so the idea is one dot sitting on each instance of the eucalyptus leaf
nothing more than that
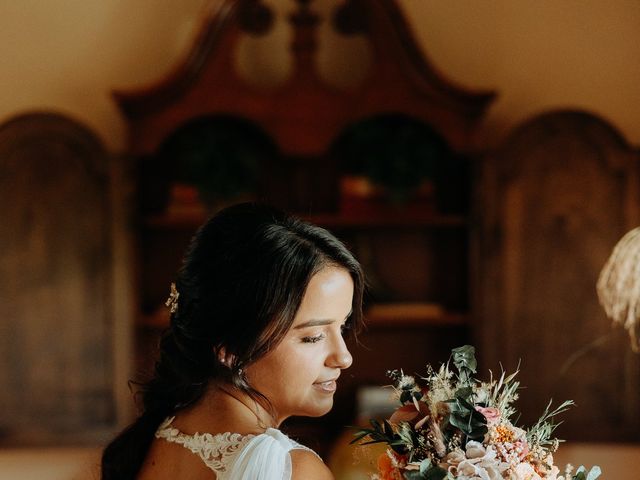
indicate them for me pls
(412, 475)
(464, 392)
(470, 407)
(478, 433)
(594, 473)
(424, 466)
(435, 473)
(459, 422)
(464, 358)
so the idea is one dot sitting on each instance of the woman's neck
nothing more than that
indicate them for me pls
(224, 409)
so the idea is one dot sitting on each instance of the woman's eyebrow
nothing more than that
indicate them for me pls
(314, 323)
(318, 322)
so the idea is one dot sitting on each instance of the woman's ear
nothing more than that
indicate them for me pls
(225, 358)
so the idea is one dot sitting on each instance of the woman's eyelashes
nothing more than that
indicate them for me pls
(344, 330)
(313, 339)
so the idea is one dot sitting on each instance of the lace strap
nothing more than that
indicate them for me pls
(214, 450)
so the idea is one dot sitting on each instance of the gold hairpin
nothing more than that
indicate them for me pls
(172, 301)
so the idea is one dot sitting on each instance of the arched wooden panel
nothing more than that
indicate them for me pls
(554, 201)
(55, 281)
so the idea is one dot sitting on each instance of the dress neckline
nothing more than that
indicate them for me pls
(167, 424)
(219, 451)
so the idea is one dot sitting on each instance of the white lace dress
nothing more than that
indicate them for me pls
(238, 457)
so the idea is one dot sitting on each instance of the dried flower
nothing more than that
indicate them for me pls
(458, 428)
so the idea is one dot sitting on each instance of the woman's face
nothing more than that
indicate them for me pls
(299, 375)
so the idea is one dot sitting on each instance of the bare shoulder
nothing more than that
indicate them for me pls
(306, 465)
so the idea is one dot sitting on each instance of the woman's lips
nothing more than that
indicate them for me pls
(326, 387)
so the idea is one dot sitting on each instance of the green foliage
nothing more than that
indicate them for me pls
(394, 151)
(581, 473)
(463, 414)
(541, 432)
(427, 471)
(464, 359)
(219, 155)
(451, 398)
(383, 433)
(466, 418)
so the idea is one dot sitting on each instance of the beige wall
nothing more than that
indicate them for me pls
(68, 55)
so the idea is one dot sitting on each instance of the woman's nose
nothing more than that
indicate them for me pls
(340, 357)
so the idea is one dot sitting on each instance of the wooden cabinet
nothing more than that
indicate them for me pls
(64, 315)
(293, 142)
(555, 199)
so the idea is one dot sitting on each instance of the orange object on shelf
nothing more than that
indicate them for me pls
(360, 196)
(185, 200)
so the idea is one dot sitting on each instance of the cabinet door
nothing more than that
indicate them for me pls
(554, 200)
(56, 282)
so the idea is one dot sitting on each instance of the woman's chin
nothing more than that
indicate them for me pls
(319, 410)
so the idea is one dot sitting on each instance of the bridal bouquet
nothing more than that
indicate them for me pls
(451, 426)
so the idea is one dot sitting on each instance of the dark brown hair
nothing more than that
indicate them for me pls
(241, 283)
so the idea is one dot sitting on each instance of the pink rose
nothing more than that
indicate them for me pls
(491, 414)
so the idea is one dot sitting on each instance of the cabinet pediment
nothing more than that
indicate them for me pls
(304, 113)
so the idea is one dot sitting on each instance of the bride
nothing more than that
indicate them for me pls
(258, 314)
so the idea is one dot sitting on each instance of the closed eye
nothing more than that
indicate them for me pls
(315, 339)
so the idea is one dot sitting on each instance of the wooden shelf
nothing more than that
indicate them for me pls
(391, 315)
(329, 220)
(412, 315)
(385, 220)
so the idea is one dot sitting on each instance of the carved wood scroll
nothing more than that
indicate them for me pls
(304, 115)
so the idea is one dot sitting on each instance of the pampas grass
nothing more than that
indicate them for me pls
(619, 286)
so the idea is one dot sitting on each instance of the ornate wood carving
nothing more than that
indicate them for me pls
(555, 198)
(255, 17)
(304, 115)
(348, 18)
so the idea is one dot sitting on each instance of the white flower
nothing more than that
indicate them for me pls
(406, 381)
(477, 450)
(525, 471)
(477, 463)
(518, 433)
(484, 471)
(451, 461)
(482, 394)
(553, 474)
